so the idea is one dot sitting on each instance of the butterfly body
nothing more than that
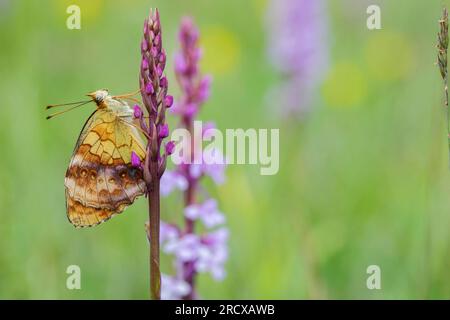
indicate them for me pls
(100, 181)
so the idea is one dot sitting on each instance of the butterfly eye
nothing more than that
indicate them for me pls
(93, 175)
(83, 173)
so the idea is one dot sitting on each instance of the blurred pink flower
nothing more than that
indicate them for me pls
(213, 254)
(172, 180)
(298, 49)
(207, 212)
(193, 252)
(214, 162)
(207, 253)
(173, 288)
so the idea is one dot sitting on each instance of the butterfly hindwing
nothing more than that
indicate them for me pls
(100, 181)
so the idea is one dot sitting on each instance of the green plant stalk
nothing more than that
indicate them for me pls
(442, 63)
(154, 219)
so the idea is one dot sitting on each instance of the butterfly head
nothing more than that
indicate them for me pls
(99, 96)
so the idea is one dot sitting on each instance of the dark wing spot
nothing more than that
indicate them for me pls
(133, 173)
(103, 193)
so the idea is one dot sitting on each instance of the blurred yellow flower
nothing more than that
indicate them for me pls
(90, 9)
(260, 7)
(389, 55)
(345, 85)
(221, 50)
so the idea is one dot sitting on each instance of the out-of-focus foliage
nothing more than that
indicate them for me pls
(363, 180)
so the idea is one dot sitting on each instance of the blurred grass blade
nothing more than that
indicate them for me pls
(442, 63)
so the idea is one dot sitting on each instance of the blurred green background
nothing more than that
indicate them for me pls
(363, 180)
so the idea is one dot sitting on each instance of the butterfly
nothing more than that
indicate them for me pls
(100, 181)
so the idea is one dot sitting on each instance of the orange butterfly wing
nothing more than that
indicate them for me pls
(100, 181)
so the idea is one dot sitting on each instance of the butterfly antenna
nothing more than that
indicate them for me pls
(132, 99)
(64, 104)
(127, 95)
(61, 112)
